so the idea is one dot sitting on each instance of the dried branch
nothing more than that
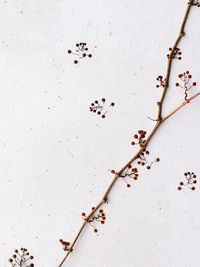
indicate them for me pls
(159, 121)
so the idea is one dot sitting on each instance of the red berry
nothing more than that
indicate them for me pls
(177, 84)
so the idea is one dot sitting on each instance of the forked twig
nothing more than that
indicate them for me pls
(159, 121)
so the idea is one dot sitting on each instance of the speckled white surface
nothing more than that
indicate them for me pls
(55, 154)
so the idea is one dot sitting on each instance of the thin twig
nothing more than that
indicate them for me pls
(159, 122)
(181, 106)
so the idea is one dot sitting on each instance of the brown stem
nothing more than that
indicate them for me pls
(181, 106)
(159, 122)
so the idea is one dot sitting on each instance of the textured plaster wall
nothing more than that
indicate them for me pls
(55, 155)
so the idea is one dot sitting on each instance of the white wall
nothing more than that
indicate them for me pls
(55, 154)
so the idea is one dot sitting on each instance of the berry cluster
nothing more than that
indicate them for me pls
(66, 245)
(21, 258)
(139, 138)
(161, 80)
(98, 216)
(100, 107)
(80, 52)
(130, 172)
(195, 3)
(174, 54)
(143, 161)
(186, 82)
(190, 181)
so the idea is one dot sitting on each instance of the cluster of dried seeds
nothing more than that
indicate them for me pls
(128, 173)
(139, 138)
(190, 181)
(186, 82)
(143, 160)
(175, 54)
(66, 245)
(81, 52)
(97, 216)
(195, 3)
(21, 258)
(161, 81)
(100, 107)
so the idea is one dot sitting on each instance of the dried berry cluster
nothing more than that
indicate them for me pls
(161, 80)
(186, 83)
(175, 54)
(81, 52)
(98, 216)
(66, 245)
(21, 258)
(195, 3)
(190, 181)
(139, 138)
(100, 107)
(129, 173)
(143, 161)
